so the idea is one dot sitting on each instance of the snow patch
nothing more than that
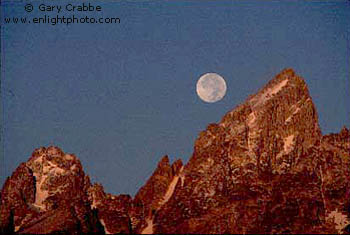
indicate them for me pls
(40, 194)
(104, 225)
(253, 132)
(251, 119)
(290, 117)
(69, 157)
(296, 111)
(171, 188)
(39, 159)
(277, 87)
(268, 93)
(339, 219)
(17, 228)
(94, 204)
(73, 167)
(49, 169)
(167, 196)
(208, 143)
(149, 228)
(182, 177)
(288, 144)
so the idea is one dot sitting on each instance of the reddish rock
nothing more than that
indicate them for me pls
(112, 211)
(156, 192)
(264, 168)
(47, 194)
(153, 191)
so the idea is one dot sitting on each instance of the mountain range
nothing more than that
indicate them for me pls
(264, 168)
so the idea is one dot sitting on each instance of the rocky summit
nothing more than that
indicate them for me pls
(264, 168)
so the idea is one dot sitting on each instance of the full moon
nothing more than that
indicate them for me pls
(211, 87)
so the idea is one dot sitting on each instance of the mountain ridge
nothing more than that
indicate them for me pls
(265, 167)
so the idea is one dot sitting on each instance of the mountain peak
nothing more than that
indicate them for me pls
(264, 168)
(280, 82)
(282, 111)
(251, 160)
(52, 169)
(279, 118)
(51, 192)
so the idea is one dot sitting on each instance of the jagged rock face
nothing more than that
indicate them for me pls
(152, 193)
(17, 195)
(334, 155)
(57, 177)
(340, 140)
(271, 124)
(122, 214)
(47, 194)
(157, 191)
(112, 211)
(265, 168)
(258, 170)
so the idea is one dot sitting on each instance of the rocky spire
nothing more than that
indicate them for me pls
(264, 168)
(47, 194)
(251, 163)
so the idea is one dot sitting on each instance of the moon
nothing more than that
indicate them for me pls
(211, 87)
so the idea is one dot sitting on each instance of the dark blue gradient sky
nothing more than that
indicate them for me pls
(122, 96)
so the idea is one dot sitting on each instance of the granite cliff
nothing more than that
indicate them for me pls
(264, 168)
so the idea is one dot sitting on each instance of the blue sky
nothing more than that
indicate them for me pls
(120, 96)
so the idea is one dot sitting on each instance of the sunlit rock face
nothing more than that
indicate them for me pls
(264, 168)
(47, 194)
(157, 192)
(57, 177)
(112, 211)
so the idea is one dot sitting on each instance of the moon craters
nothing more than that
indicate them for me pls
(211, 87)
